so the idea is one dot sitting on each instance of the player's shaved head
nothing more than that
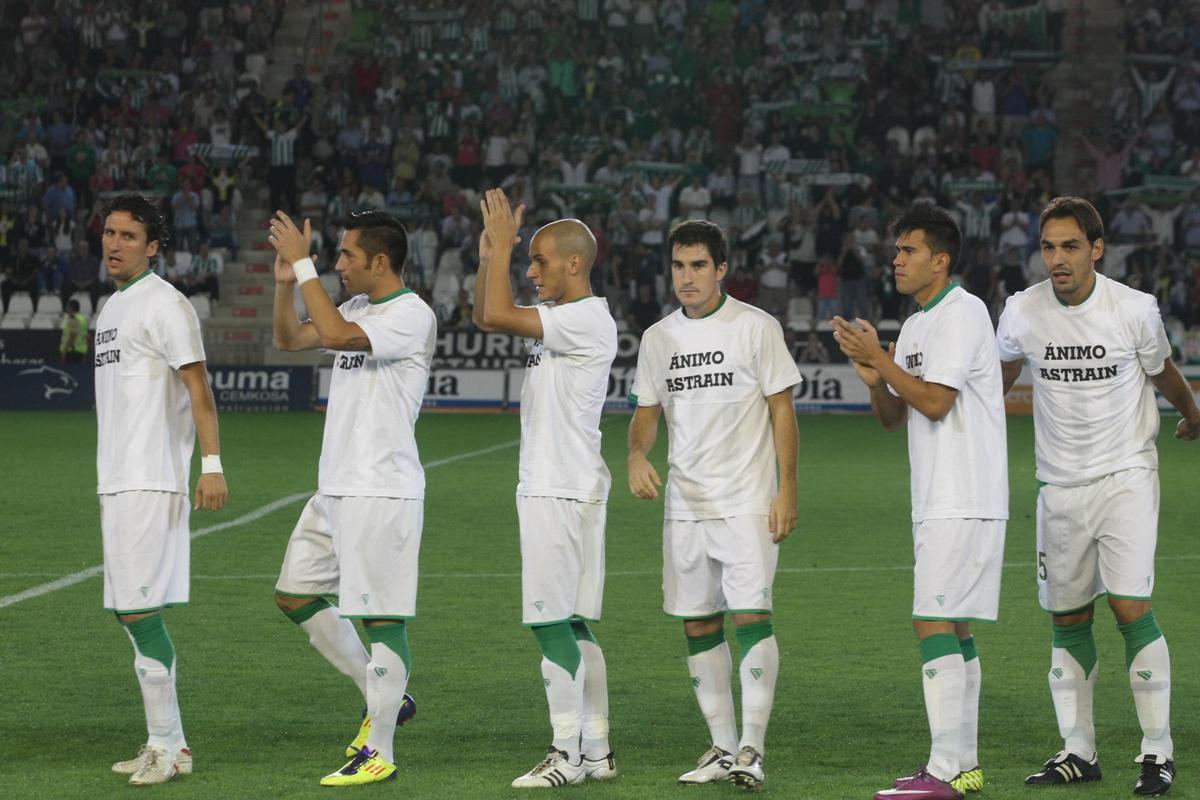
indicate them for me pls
(571, 238)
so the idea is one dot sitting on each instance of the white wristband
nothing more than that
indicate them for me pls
(305, 270)
(211, 463)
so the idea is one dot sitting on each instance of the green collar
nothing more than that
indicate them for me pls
(577, 299)
(1065, 304)
(135, 280)
(391, 296)
(937, 298)
(724, 297)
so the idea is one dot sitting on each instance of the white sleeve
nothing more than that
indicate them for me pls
(775, 367)
(1152, 345)
(645, 380)
(570, 329)
(950, 351)
(1006, 340)
(397, 334)
(177, 329)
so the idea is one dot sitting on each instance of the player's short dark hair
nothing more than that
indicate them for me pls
(379, 232)
(941, 231)
(72, 305)
(700, 231)
(1070, 207)
(145, 211)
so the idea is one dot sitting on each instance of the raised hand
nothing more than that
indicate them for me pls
(289, 241)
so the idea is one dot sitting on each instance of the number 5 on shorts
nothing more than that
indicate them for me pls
(1041, 565)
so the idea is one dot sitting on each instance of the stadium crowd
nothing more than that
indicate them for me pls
(799, 128)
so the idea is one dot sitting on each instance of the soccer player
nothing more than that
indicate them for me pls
(360, 534)
(152, 401)
(562, 493)
(942, 380)
(720, 371)
(1096, 348)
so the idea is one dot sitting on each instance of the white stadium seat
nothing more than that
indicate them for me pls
(50, 305)
(21, 303)
(43, 322)
(14, 322)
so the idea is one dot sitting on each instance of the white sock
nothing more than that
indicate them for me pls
(157, 683)
(1072, 693)
(758, 671)
(1150, 679)
(944, 681)
(595, 701)
(968, 754)
(336, 640)
(386, 678)
(712, 679)
(564, 695)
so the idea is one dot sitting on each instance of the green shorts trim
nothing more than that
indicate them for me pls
(1128, 596)
(571, 618)
(150, 610)
(302, 596)
(376, 616)
(688, 618)
(954, 619)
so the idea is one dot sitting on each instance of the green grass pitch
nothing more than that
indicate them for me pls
(267, 717)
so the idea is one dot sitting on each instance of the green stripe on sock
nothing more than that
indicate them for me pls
(558, 645)
(1139, 633)
(752, 633)
(1079, 641)
(307, 611)
(582, 632)
(151, 639)
(700, 644)
(393, 636)
(938, 645)
(967, 646)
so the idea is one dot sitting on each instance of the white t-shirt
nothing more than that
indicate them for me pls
(374, 398)
(566, 383)
(144, 334)
(959, 465)
(712, 376)
(1093, 405)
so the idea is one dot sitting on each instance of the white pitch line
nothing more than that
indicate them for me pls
(261, 511)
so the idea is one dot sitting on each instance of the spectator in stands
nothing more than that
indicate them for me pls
(222, 231)
(73, 346)
(83, 275)
(814, 350)
(828, 288)
(207, 266)
(21, 274)
(644, 311)
(743, 286)
(185, 205)
(52, 272)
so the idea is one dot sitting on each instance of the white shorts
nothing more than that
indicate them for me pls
(146, 550)
(562, 559)
(711, 566)
(363, 549)
(1097, 538)
(958, 566)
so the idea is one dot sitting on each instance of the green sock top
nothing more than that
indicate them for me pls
(967, 645)
(938, 645)
(307, 611)
(1080, 642)
(700, 644)
(752, 633)
(393, 635)
(1139, 633)
(151, 639)
(559, 645)
(582, 632)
